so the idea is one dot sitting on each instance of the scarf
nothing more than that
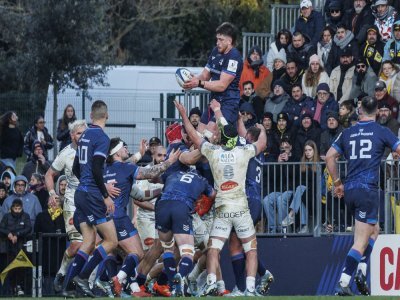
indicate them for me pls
(345, 41)
(55, 213)
(325, 49)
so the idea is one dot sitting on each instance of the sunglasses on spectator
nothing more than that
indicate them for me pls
(335, 11)
(361, 66)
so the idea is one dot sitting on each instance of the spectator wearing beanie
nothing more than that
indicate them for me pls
(248, 115)
(277, 99)
(325, 102)
(148, 154)
(333, 128)
(271, 152)
(335, 13)
(278, 48)
(313, 76)
(194, 116)
(309, 130)
(279, 67)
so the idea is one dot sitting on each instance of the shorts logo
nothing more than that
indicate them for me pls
(226, 186)
(91, 218)
(186, 227)
(123, 233)
(362, 214)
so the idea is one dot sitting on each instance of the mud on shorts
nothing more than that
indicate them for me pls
(147, 232)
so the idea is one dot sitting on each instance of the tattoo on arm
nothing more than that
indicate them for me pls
(154, 171)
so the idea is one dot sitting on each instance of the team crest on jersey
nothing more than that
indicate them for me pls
(226, 186)
(232, 65)
(227, 158)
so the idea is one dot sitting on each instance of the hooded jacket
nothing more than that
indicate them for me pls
(274, 104)
(277, 50)
(32, 136)
(248, 107)
(34, 165)
(392, 48)
(30, 202)
(385, 23)
(12, 177)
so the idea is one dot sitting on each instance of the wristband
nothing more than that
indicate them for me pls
(52, 193)
(137, 156)
(105, 195)
(337, 182)
(217, 109)
(201, 85)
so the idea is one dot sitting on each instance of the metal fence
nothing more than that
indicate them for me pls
(250, 39)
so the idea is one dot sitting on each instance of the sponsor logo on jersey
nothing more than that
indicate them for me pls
(227, 158)
(228, 172)
(232, 65)
(226, 186)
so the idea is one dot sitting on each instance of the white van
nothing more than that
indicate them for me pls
(133, 98)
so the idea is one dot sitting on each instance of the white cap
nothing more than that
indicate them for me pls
(305, 3)
(381, 2)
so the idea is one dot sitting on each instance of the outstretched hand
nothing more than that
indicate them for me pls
(174, 155)
(214, 104)
(180, 107)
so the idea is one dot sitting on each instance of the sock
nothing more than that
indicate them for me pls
(238, 265)
(163, 278)
(211, 278)
(221, 286)
(110, 264)
(364, 260)
(141, 279)
(250, 283)
(195, 273)
(101, 274)
(261, 270)
(134, 287)
(65, 263)
(185, 266)
(75, 267)
(128, 267)
(169, 265)
(98, 255)
(350, 265)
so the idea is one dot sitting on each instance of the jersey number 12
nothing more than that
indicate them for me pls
(365, 147)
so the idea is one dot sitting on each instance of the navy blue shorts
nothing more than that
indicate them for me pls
(90, 208)
(125, 228)
(255, 208)
(229, 109)
(363, 204)
(173, 215)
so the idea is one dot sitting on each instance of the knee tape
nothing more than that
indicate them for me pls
(215, 243)
(168, 245)
(186, 249)
(252, 245)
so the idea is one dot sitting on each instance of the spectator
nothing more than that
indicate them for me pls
(284, 128)
(332, 130)
(154, 142)
(272, 151)
(341, 79)
(300, 50)
(250, 97)
(37, 163)
(51, 220)
(61, 187)
(281, 188)
(248, 115)
(372, 49)
(296, 104)
(385, 16)
(7, 177)
(383, 97)
(278, 48)
(313, 76)
(279, 68)
(385, 119)
(392, 47)
(335, 13)
(30, 202)
(11, 139)
(343, 41)
(63, 135)
(325, 102)
(364, 79)
(3, 194)
(308, 130)
(248, 93)
(38, 188)
(359, 19)
(15, 227)
(310, 22)
(388, 74)
(346, 5)
(346, 110)
(194, 116)
(305, 197)
(276, 101)
(40, 133)
(292, 76)
(324, 48)
(254, 70)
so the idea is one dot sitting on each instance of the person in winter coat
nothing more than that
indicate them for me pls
(63, 135)
(385, 16)
(8, 177)
(329, 134)
(40, 133)
(279, 68)
(296, 104)
(309, 130)
(278, 48)
(335, 13)
(38, 188)
(364, 79)
(292, 76)
(300, 50)
(276, 101)
(372, 49)
(359, 18)
(310, 22)
(392, 48)
(37, 163)
(248, 115)
(11, 139)
(325, 103)
(313, 76)
(324, 47)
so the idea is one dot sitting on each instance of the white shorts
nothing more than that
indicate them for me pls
(200, 232)
(147, 232)
(230, 217)
(69, 204)
(73, 234)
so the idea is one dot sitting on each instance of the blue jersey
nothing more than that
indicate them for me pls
(185, 187)
(230, 63)
(124, 175)
(93, 142)
(253, 176)
(176, 166)
(363, 146)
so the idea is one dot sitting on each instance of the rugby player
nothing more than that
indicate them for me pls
(363, 146)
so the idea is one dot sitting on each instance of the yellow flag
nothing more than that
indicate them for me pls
(21, 260)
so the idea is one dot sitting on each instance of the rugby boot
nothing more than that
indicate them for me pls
(58, 282)
(141, 293)
(223, 293)
(117, 286)
(266, 280)
(343, 291)
(162, 290)
(208, 290)
(235, 293)
(254, 293)
(191, 286)
(83, 286)
(361, 282)
(104, 286)
(178, 286)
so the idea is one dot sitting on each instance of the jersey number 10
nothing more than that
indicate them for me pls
(364, 148)
(83, 154)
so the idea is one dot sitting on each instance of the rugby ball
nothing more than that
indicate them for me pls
(182, 75)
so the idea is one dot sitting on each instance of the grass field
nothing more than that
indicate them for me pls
(268, 297)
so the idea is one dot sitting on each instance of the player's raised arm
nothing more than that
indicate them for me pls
(196, 139)
(156, 170)
(261, 143)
